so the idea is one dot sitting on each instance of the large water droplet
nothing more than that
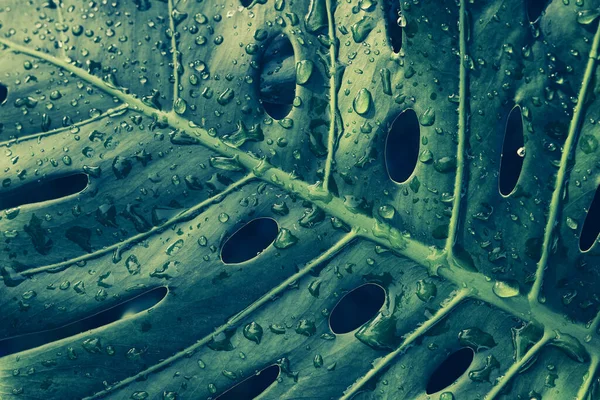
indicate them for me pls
(316, 18)
(304, 70)
(362, 102)
(506, 289)
(285, 238)
(362, 28)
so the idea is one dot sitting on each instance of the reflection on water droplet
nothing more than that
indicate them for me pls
(505, 289)
(304, 70)
(362, 102)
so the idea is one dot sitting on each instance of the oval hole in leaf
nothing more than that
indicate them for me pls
(245, 3)
(3, 93)
(450, 370)
(394, 30)
(356, 308)
(591, 225)
(252, 387)
(511, 161)
(124, 310)
(278, 77)
(49, 189)
(535, 8)
(402, 146)
(249, 241)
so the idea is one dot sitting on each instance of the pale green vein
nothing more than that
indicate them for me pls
(173, 50)
(408, 341)
(584, 390)
(514, 369)
(184, 215)
(109, 113)
(266, 298)
(563, 171)
(462, 130)
(332, 95)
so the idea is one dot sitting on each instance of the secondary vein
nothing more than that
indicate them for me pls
(462, 130)
(266, 298)
(409, 340)
(561, 176)
(332, 95)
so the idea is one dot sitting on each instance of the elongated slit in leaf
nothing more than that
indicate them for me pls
(252, 387)
(393, 24)
(278, 78)
(535, 9)
(452, 368)
(3, 93)
(402, 146)
(513, 153)
(591, 225)
(123, 310)
(356, 308)
(50, 189)
(249, 241)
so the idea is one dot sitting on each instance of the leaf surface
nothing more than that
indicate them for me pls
(176, 112)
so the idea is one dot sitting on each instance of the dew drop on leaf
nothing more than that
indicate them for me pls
(304, 70)
(363, 102)
(505, 289)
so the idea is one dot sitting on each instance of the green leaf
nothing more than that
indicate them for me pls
(164, 105)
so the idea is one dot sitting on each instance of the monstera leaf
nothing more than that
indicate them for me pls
(434, 161)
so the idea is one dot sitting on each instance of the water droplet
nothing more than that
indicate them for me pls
(586, 17)
(362, 102)
(285, 239)
(180, 106)
(304, 70)
(505, 289)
